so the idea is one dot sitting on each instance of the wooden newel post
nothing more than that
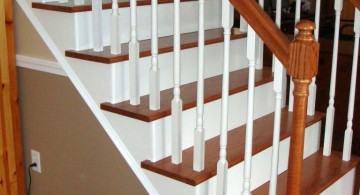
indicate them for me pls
(303, 66)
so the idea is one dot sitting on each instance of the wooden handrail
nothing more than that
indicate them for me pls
(272, 36)
(356, 3)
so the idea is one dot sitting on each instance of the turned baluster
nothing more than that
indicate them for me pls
(303, 66)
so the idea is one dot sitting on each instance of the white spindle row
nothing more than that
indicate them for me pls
(154, 96)
(115, 39)
(279, 77)
(134, 57)
(251, 55)
(222, 165)
(97, 25)
(176, 104)
(349, 130)
(330, 112)
(199, 137)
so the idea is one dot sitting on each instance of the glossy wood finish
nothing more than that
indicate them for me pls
(263, 25)
(70, 7)
(318, 174)
(262, 139)
(188, 40)
(12, 178)
(238, 83)
(303, 66)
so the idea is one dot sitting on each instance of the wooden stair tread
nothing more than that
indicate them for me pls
(188, 40)
(319, 172)
(262, 139)
(213, 85)
(70, 7)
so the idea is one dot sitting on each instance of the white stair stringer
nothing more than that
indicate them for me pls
(260, 169)
(108, 82)
(58, 54)
(152, 141)
(73, 31)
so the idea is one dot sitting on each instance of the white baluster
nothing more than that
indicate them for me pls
(78, 2)
(251, 55)
(97, 25)
(260, 56)
(330, 112)
(349, 130)
(313, 87)
(317, 19)
(222, 165)
(297, 19)
(297, 15)
(243, 24)
(279, 77)
(154, 96)
(115, 39)
(199, 137)
(176, 104)
(134, 57)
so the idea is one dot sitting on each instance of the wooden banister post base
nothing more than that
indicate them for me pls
(303, 66)
(301, 93)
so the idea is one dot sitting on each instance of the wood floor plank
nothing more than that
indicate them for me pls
(188, 40)
(319, 172)
(262, 139)
(238, 83)
(70, 7)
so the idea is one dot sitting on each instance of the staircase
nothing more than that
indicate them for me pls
(190, 103)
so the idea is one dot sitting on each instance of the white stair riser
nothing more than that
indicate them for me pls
(74, 30)
(99, 78)
(152, 140)
(212, 116)
(260, 170)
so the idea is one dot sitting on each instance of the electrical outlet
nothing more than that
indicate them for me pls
(35, 158)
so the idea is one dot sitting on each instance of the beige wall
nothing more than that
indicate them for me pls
(28, 41)
(76, 154)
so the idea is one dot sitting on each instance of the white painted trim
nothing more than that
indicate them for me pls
(38, 64)
(87, 98)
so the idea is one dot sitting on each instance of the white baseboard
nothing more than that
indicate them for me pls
(40, 65)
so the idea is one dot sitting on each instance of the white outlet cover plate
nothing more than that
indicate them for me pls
(35, 158)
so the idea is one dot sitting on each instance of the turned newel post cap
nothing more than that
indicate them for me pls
(306, 29)
(304, 52)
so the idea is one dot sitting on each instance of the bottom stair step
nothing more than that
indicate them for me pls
(319, 172)
(262, 139)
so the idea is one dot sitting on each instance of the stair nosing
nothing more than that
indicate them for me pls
(71, 8)
(199, 177)
(143, 113)
(107, 58)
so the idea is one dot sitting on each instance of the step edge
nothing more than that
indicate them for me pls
(107, 106)
(147, 164)
(81, 55)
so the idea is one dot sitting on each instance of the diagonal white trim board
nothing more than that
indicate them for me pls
(87, 98)
(38, 64)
